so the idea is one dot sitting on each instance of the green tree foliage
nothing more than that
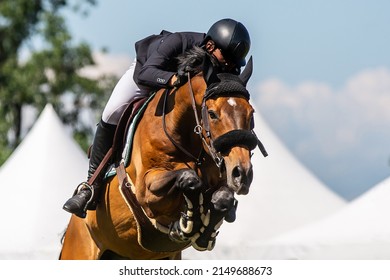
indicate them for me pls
(49, 74)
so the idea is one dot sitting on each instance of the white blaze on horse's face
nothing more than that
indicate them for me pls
(232, 102)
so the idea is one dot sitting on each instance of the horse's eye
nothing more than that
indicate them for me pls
(213, 115)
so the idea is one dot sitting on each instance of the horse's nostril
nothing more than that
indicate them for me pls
(243, 175)
(237, 172)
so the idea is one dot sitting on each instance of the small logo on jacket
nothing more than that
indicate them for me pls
(161, 80)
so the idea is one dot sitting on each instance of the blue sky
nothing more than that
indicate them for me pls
(321, 72)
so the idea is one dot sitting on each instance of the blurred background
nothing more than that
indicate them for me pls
(321, 81)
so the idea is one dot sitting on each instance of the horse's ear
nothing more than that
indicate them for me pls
(209, 73)
(247, 73)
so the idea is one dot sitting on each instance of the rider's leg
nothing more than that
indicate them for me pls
(101, 144)
(123, 93)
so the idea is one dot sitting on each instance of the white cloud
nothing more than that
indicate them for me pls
(341, 115)
(107, 64)
(327, 126)
(370, 91)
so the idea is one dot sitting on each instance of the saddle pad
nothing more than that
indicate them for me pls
(129, 138)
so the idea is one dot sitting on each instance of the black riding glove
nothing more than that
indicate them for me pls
(182, 78)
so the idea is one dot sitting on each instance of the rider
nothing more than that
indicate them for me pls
(155, 67)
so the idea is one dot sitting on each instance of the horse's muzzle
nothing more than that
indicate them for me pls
(242, 179)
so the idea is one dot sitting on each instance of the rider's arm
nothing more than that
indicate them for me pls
(160, 67)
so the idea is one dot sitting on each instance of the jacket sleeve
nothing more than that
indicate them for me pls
(161, 63)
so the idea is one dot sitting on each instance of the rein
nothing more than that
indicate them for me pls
(177, 145)
(218, 159)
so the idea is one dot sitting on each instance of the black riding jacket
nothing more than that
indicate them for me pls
(156, 57)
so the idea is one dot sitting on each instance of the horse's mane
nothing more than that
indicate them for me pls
(192, 61)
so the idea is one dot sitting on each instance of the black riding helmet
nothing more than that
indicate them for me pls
(232, 38)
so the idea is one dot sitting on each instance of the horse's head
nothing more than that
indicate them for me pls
(228, 122)
(227, 117)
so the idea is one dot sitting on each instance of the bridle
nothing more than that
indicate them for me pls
(214, 146)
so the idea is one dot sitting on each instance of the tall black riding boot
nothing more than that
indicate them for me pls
(86, 194)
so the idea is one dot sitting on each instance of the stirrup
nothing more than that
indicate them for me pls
(83, 185)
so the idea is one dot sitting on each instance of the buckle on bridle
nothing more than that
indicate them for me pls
(219, 160)
(198, 129)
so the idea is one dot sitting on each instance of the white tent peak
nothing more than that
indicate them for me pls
(36, 180)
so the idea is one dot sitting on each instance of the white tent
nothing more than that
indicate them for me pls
(361, 230)
(284, 195)
(35, 182)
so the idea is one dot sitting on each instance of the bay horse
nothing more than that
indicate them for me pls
(191, 151)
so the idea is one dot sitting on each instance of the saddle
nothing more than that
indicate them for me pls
(113, 155)
(123, 126)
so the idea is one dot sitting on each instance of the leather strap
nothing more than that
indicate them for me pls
(177, 145)
(102, 165)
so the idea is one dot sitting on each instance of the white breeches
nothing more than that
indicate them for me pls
(124, 92)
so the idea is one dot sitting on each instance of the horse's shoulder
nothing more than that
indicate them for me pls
(198, 80)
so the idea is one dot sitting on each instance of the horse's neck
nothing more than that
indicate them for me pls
(181, 120)
(183, 112)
